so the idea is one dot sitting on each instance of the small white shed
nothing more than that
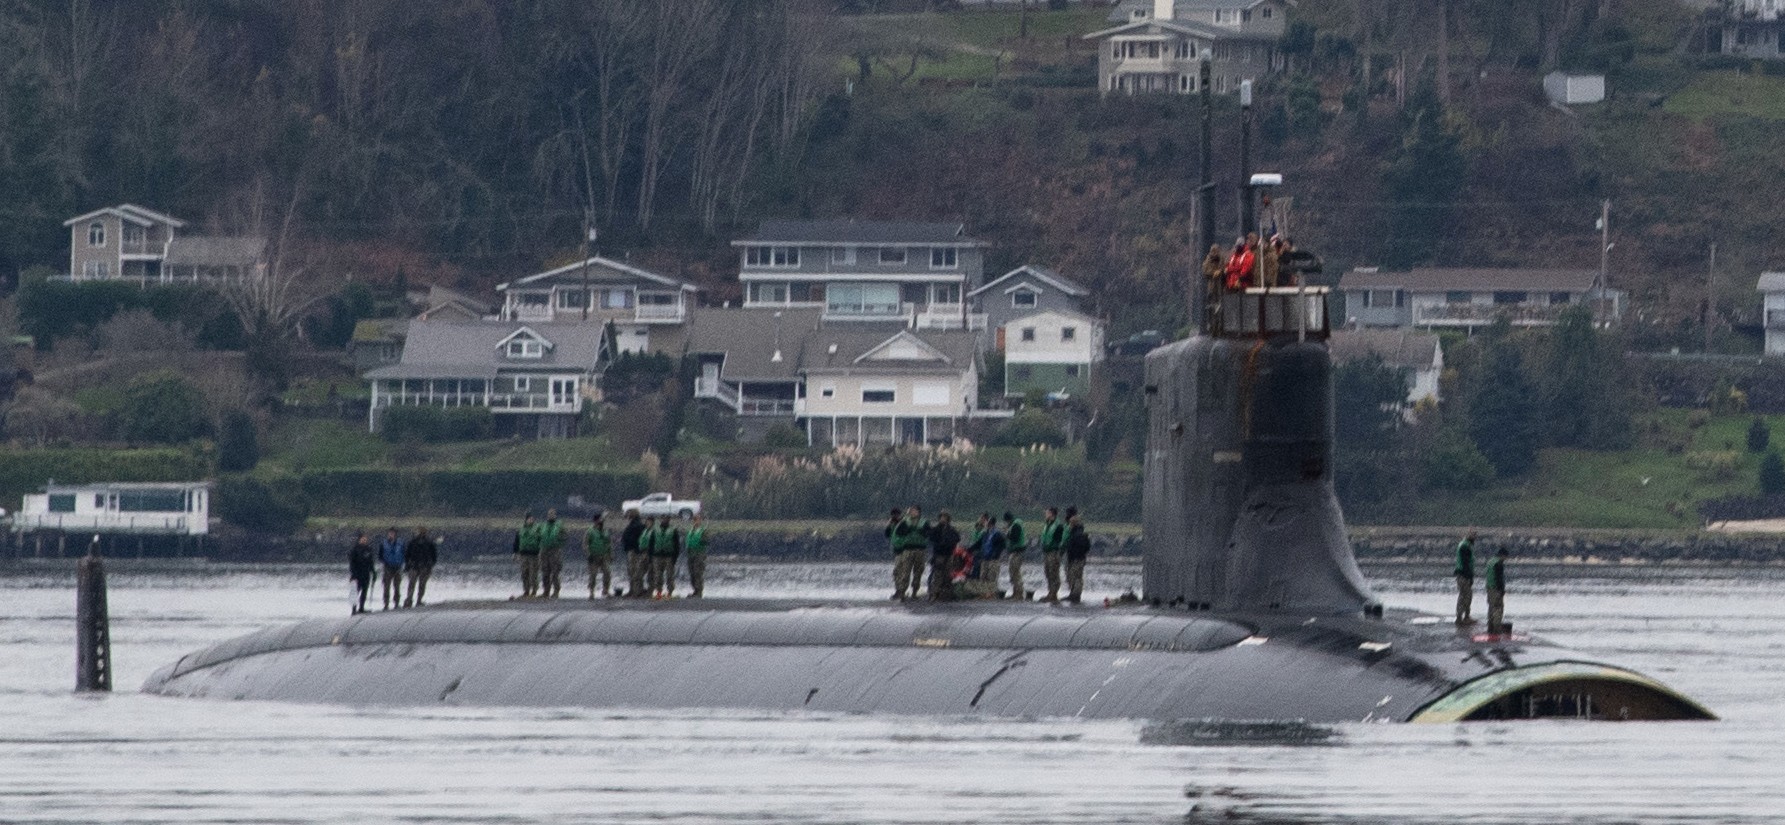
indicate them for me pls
(1568, 88)
(177, 508)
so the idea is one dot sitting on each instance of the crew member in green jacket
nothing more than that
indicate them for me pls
(551, 555)
(1015, 542)
(526, 551)
(1496, 593)
(600, 548)
(1053, 545)
(1465, 573)
(695, 545)
(910, 538)
(665, 545)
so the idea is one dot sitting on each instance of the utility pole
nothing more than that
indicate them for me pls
(1710, 296)
(1604, 255)
(588, 253)
(1246, 215)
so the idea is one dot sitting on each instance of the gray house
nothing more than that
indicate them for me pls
(915, 274)
(1753, 28)
(535, 377)
(1466, 299)
(639, 303)
(1022, 292)
(130, 242)
(1158, 46)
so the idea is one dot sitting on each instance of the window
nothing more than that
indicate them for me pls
(96, 233)
(1266, 13)
(1183, 51)
(524, 347)
(62, 503)
(1069, 333)
(1022, 372)
(1245, 15)
(877, 396)
(775, 293)
(1115, 49)
(843, 255)
(1138, 14)
(772, 256)
(1510, 297)
(96, 269)
(616, 299)
(1224, 15)
(862, 299)
(805, 293)
(1559, 298)
(1023, 298)
(827, 391)
(1183, 83)
(892, 254)
(1382, 298)
(944, 257)
(1072, 370)
(134, 238)
(945, 293)
(99, 501)
(523, 383)
(572, 299)
(151, 501)
(533, 300)
(1028, 333)
(1458, 297)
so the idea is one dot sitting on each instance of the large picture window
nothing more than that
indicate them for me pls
(881, 396)
(862, 299)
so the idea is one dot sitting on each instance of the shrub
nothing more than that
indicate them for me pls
(238, 446)
(161, 408)
(1772, 475)
(1453, 463)
(433, 425)
(782, 436)
(1714, 465)
(1758, 435)
(255, 505)
(1028, 428)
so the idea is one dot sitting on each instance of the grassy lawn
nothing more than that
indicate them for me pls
(977, 45)
(1714, 94)
(322, 445)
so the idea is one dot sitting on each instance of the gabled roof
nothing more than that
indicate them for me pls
(1772, 282)
(1403, 348)
(594, 267)
(904, 346)
(851, 232)
(1479, 279)
(748, 339)
(132, 213)
(215, 250)
(1125, 9)
(525, 332)
(1183, 27)
(1032, 272)
(470, 349)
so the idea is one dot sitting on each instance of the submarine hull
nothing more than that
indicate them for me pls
(995, 661)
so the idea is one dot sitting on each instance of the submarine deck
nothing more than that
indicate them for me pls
(977, 657)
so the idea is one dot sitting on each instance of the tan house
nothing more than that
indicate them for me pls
(598, 291)
(1159, 46)
(130, 242)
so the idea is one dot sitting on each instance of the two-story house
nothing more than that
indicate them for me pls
(1158, 46)
(1466, 299)
(1753, 28)
(1025, 291)
(915, 274)
(535, 377)
(598, 291)
(841, 382)
(1051, 352)
(1772, 309)
(133, 243)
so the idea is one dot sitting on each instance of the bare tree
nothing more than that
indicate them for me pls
(275, 295)
(680, 33)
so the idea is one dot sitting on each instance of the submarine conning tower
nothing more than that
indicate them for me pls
(1238, 503)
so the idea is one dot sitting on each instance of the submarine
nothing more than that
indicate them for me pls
(1252, 606)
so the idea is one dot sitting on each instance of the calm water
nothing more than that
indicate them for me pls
(1717, 634)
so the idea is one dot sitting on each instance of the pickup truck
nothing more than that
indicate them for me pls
(662, 504)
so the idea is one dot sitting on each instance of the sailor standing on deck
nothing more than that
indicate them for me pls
(360, 561)
(1078, 547)
(1496, 593)
(526, 553)
(695, 545)
(1053, 543)
(390, 554)
(551, 555)
(1465, 573)
(631, 541)
(600, 549)
(419, 557)
(665, 546)
(988, 547)
(1016, 541)
(910, 536)
(944, 538)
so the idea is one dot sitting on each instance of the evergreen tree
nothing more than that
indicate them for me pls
(238, 445)
(1772, 474)
(1584, 403)
(163, 408)
(1422, 181)
(1503, 409)
(1758, 435)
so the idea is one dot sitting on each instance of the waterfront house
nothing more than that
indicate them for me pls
(598, 291)
(1158, 46)
(1467, 299)
(535, 378)
(914, 274)
(1051, 352)
(133, 508)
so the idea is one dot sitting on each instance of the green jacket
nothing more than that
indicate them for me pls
(1016, 540)
(1496, 574)
(695, 543)
(598, 543)
(1053, 537)
(551, 536)
(663, 541)
(1465, 565)
(909, 535)
(527, 540)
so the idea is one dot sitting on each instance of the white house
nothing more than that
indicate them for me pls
(1772, 306)
(1052, 352)
(142, 508)
(1417, 354)
(1159, 46)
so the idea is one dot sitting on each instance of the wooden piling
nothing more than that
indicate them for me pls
(93, 640)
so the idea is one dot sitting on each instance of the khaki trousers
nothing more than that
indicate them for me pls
(697, 574)
(1075, 578)
(601, 566)
(529, 573)
(1465, 596)
(1496, 610)
(551, 571)
(1016, 575)
(1050, 564)
(663, 574)
(637, 568)
(988, 572)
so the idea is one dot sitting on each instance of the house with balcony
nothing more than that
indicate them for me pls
(129, 508)
(1468, 299)
(1022, 292)
(598, 291)
(840, 382)
(535, 378)
(1753, 28)
(1051, 352)
(913, 274)
(129, 242)
(1158, 46)
(1772, 308)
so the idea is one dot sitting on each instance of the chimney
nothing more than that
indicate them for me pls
(1164, 9)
